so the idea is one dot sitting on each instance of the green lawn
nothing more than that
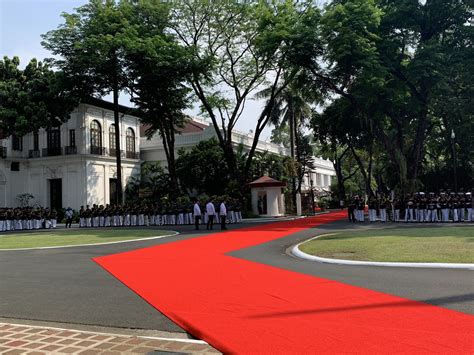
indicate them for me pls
(454, 244)
(73, 237)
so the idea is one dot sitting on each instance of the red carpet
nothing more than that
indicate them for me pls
(243, 307)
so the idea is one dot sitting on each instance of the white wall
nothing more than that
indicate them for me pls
(85, 177)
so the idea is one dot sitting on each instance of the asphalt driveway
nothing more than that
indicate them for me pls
(64, 285)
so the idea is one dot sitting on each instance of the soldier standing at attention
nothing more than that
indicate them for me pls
(88, 216)
(409, 217)
(372, 209)
(454, 208)
(396, 209)
(469, 202)
(82, 220)
(461, 209)
(438, 208)
(443, 202)
(54, 218)
(432, 215)
(101, 213)
(2, 220)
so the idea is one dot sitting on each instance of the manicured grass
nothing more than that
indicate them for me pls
(73, 237)
(453, 244)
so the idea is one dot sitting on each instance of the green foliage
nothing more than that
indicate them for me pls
(33, 98)
(273, 165)
(155, 179)
(245, 45)
(24, 200)
(90, 46)
(395, 71)
(203, 169)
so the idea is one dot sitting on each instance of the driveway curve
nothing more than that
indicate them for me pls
(64, 285)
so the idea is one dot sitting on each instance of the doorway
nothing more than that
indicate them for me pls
(55, 194)
(262, 202)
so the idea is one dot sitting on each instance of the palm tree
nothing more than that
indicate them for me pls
(291, 112)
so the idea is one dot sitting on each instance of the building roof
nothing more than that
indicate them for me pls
(267, 181)
(143, 128)
(107, 105)
(191, 126)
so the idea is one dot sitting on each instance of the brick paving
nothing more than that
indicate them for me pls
(25, 339)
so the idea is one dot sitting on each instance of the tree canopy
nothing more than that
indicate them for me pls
(385, 85)
(388, 66)
(33, 98)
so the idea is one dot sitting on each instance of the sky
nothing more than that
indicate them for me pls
(22, 22)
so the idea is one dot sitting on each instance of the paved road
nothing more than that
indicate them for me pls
(64, 285)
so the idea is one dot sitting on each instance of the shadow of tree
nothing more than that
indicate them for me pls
(408, 303)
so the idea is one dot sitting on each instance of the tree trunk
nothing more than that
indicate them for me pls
(340, 178)
(368, 187)
(167, 136)
(117, 142)
(363, 171)
(417, 152)
(292, 149)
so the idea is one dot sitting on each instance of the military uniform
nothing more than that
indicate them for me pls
(372, 209)
(469, 202)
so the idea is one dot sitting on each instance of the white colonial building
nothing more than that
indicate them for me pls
(73, 164)
(198, 130)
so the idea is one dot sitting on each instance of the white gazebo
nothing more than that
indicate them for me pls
(267, 197)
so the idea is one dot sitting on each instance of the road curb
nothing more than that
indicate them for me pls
(295, 250)
(171, 234)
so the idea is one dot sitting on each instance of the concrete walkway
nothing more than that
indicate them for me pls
(26, 339)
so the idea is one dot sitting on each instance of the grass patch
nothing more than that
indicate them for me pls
(416, 244)
(74, 237)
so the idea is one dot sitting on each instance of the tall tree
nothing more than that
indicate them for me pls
(158, 68)
(33, 98)
(293, 110)
(90, 47)
(249, 45)
(386, 59)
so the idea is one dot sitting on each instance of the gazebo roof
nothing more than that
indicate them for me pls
(267, 181)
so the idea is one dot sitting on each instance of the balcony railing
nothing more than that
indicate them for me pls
(70, 150)
(97, 150)
(3, 152)
(113, 152)
(34, 153)
(51, 152)
(132, 155)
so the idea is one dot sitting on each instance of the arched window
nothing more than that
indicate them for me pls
(112, 144)
(96, 138)
(130, 146)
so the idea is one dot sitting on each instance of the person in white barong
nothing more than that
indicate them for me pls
(223, 214)
(211, 212)
(197, 214)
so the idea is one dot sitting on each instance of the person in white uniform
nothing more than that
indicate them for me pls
(197, 214)
(211, 212)
(223, 214)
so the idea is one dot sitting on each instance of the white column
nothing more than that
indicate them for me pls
(298, 204)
